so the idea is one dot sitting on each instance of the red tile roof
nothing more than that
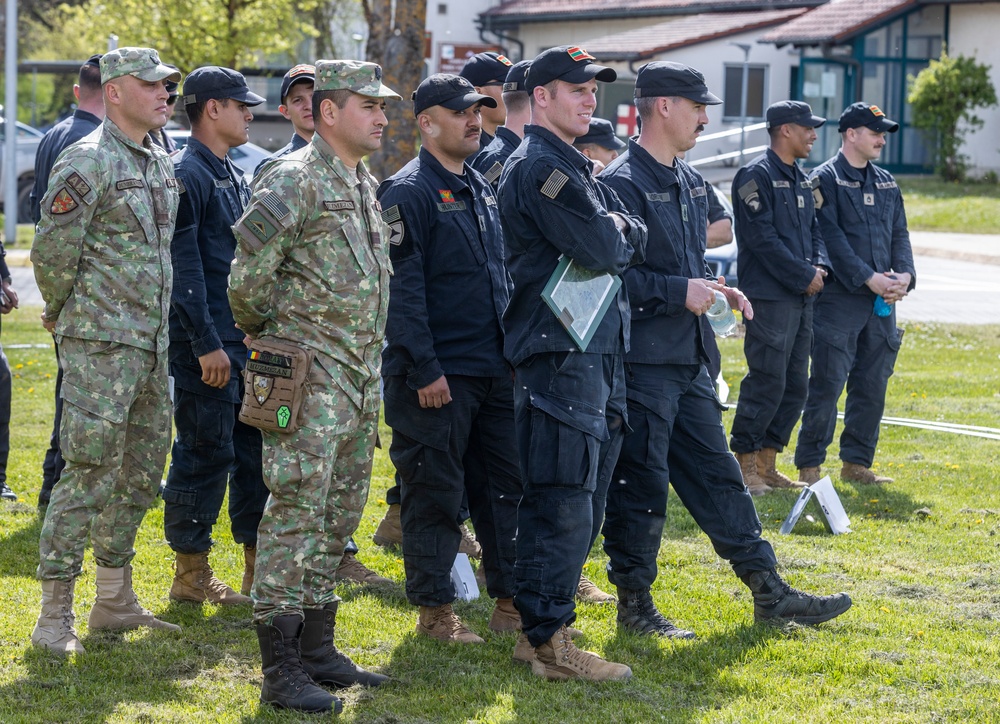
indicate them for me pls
(836, 22)
(682, 31)
(512, 11)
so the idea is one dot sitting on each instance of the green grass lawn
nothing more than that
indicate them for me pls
(936, 205)
(920, 644)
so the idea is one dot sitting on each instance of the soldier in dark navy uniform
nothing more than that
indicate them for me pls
(448, 392)
(782, 263)
(673, 410)
(490, 160)
(213, 450)
(88, 116)
(599, 144)
(861, 216)
(569, 404)
(488, 73)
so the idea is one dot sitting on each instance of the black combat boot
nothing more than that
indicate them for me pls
(637, 612)
(286, 684)
(320, 658)
(774, 601)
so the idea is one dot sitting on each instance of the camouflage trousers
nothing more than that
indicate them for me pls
(318, 477)
(114, 437)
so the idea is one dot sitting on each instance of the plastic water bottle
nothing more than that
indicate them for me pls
(721, 316)
(882, 307)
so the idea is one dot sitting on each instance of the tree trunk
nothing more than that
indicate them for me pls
(397, 44)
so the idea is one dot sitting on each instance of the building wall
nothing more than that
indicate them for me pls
(457, 25)
(973, 32)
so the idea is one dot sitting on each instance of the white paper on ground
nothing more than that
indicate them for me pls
(829, 503)
(464, 578)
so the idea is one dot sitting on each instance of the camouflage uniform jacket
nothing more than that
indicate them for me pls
(101, 253)
(311, 266)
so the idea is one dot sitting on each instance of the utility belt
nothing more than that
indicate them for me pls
(275, 385)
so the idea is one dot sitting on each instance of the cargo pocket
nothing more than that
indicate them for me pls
(422, 430)
(91, 426)
(566, 438)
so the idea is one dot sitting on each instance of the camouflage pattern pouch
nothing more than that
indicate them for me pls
(274, 385)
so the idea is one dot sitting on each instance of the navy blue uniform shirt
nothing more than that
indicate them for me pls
(489, 161)
(863, 223)
(67, 131)
(674, 203)
(780, 242)
(295, 144)
(213, 197)
(550, 205)
(449, 286)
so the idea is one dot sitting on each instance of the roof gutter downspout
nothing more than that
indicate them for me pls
(483, 26)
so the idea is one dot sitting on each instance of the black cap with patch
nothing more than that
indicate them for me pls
(601, 133)
(666, 78)
(861, 114)
(515, 77)
(450, 91)
(214, 83)
(797, 112)
(567, 63)
(486, 69)
(301, 73)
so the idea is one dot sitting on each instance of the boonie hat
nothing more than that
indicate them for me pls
(515, 77)
(300, 73)
(797, 112)
(666, 78)
(450, 91)
(861, 114)
(486, 69)
(211, 82)
(143, 63)
(601, 133)
(357, 76)
(567, 63)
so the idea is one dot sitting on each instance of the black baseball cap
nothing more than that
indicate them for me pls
(95, 60)
(515, 77)
(601, 133)
(861, 114)
(450, 91)
(567, 63)
(171, 85)
(666, 78)
(212, 82)
(488, 68)
(302, 72)
(797, 112)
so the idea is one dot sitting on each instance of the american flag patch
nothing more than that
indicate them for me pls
(391, 214)
(554, 183)
(273, 203)
(494, 172)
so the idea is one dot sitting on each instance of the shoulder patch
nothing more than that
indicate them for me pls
(391, 214)
(63, 202)
(75, 181)
(262, 221)
(396, 232)
(817, 197)
(748, 188)
(749, 194)
(554, 184)
(493, 172)
(275, 205)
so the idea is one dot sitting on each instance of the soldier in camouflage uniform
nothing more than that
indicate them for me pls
(312, 269)
(101, 256)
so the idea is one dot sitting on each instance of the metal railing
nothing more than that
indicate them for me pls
(732, 157)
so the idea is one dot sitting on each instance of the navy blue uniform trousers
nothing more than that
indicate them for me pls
(442, 455)
(677, 437)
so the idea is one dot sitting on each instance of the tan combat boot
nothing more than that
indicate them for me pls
(559, 659)
(443, 624)
(855, 473)
(351, 569)
(751, 478)
(524, 652)
(588, 592)
(249, 561)
(505, 617)
(195, 582)
(117, 607)
(390, 531)
(810, 475)
(54, 630)
(770, 474)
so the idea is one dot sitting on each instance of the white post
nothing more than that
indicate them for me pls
(10, 112)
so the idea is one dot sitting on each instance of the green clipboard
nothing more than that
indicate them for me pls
(580, 298)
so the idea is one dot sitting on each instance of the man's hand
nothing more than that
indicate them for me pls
(10, 298)
(436, 394)
(49, 324)
(900, 290)
(891, 287)
(816, 285)
(700, 296)
(216, 368)
(737, 299)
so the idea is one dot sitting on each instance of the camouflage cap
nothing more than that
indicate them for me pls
(143, 63)
(354, 75)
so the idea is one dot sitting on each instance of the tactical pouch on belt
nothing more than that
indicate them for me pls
(274, 385)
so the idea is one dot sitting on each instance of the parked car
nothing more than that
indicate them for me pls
(722, 259)
(246, 156)
(28, 139)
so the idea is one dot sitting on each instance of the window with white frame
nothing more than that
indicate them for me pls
(756, 91)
